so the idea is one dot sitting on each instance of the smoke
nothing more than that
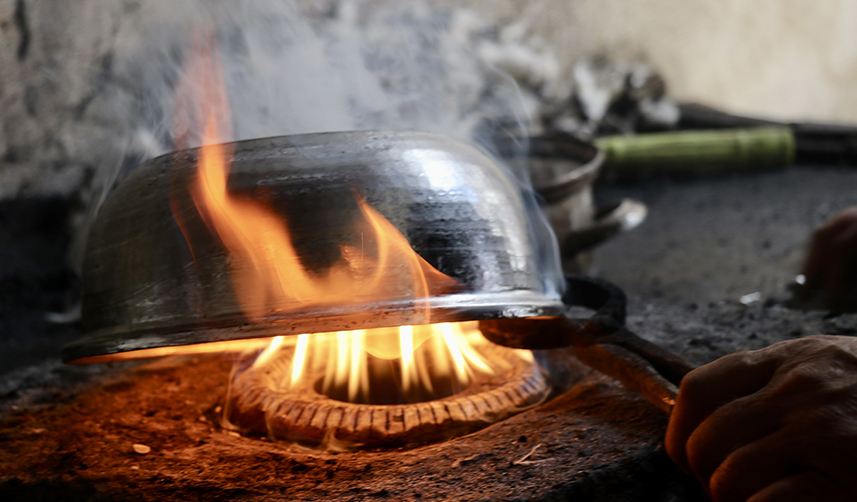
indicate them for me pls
(353, 65)
(293, 68)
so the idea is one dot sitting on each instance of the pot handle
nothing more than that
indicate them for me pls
(610, 220)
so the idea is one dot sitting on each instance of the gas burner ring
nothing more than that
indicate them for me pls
(304, 415)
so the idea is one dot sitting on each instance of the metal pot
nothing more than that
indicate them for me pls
(145, 288)
(563, 170)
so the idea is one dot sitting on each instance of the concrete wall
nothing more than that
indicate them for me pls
(779, 58)
(794, 59)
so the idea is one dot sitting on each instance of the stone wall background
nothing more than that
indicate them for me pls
(80, 84)
(71, 76)
(778, 58)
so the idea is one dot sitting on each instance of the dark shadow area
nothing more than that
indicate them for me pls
(35, 280)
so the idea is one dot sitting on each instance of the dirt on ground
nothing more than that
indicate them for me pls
(152, 432)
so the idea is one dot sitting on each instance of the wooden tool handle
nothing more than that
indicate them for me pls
(632, 371)
(671, 366)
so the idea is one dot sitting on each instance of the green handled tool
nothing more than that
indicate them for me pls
(698, 151)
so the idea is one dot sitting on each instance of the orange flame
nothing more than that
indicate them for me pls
(267, 272)
(429, 360)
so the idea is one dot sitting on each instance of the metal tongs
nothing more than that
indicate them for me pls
(602, 341)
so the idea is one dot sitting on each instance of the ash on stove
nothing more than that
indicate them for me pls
(151, 432)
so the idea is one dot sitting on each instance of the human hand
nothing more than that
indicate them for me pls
(772, 425)
(830, 269)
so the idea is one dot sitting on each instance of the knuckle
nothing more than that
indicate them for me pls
(797, 344)
(828, 411)
(818, 339)
(829, 351)
(842, 221)
(822, 233)
(695, 454)
(802, 377)
(849, 215)
(846, 217)
(691, 382)
(725, 483)
(814, 423)
(805, 349)
(719, 485)
(740, 361)
(673, 447)
(751, 361)
(840, 248)
(692, 387)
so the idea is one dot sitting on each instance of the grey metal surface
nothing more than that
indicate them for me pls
(144, 287)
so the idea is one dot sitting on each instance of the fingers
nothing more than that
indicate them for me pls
(727, 429)
(831, 260)
(817, 259)
(760, 425)
(711, 386)
(841, 264)
(754, 466)
(809, 485)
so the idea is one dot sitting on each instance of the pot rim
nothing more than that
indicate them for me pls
(567, 148)
(101, 345)
(559, 148)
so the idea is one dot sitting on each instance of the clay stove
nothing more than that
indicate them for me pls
(416, 370)
(166, 277)
(344, 271)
